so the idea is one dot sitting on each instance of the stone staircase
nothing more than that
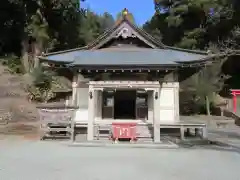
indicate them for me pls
(144, 131)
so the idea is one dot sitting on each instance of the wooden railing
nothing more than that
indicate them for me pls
(56, 119)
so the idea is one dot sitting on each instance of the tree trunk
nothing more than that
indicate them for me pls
(25, 58)
(37, 52)
(207, 105)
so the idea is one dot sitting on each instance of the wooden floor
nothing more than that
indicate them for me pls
(185, 124)
(184, 121)
(145, 129)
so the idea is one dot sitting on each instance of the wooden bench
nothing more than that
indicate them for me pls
(103, 128)
(198, 127)
(98, 129)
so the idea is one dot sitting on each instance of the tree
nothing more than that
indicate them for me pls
(12, 23)
(106, 21)
(31, 27)
(198, 21)
(91, 27)
(206, 83)
(207, 25)
(44, 84)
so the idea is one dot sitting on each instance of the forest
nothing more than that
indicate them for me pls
(32, 27)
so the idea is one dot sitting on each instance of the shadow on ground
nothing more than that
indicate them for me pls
(228, 134)
(209, 145)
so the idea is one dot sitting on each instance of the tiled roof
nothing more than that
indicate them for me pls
(110, 31)
(138, 56)
(159, 54)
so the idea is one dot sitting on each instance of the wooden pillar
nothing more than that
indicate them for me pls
(100, 103)
(150, 106)
(176, 102)
(74, 91)
(91, 114)
(204, 133)
(182, 133)
(156, 116)
(72, 138)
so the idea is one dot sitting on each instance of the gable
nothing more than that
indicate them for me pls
(122, 31)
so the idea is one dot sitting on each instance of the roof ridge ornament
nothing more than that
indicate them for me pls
(125, 33)
(125, 12)
(123, 16)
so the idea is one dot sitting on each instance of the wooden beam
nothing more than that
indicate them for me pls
(171, 76)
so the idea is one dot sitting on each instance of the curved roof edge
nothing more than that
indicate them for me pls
(142, 32)
(45, 59)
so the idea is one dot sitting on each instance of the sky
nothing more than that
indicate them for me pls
(142, 11)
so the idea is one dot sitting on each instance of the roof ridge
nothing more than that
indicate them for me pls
(147, 34)
(163, 45)
(169, 47)
(187, 50)
(64, 51)
(105, 33)
(121, 20)
(89, 44)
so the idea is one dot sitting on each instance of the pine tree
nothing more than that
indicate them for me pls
(197, 19)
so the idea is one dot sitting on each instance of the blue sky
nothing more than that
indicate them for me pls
(142, 11)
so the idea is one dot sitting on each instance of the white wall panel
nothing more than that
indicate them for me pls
(167, 115)
(81, 115)
(166, 97)
(167, 104)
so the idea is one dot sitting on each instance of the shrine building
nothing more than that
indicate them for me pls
(127, 76)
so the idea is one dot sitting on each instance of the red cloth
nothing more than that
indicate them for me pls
(124, 130)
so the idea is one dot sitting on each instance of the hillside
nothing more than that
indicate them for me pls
(17, 114)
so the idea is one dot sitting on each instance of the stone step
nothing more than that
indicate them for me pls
(144, 131)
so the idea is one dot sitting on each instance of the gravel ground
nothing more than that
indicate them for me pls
(35, 160)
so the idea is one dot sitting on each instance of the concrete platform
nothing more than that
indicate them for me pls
(162, 145)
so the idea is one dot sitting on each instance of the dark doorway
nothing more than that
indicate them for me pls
(125, 104)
